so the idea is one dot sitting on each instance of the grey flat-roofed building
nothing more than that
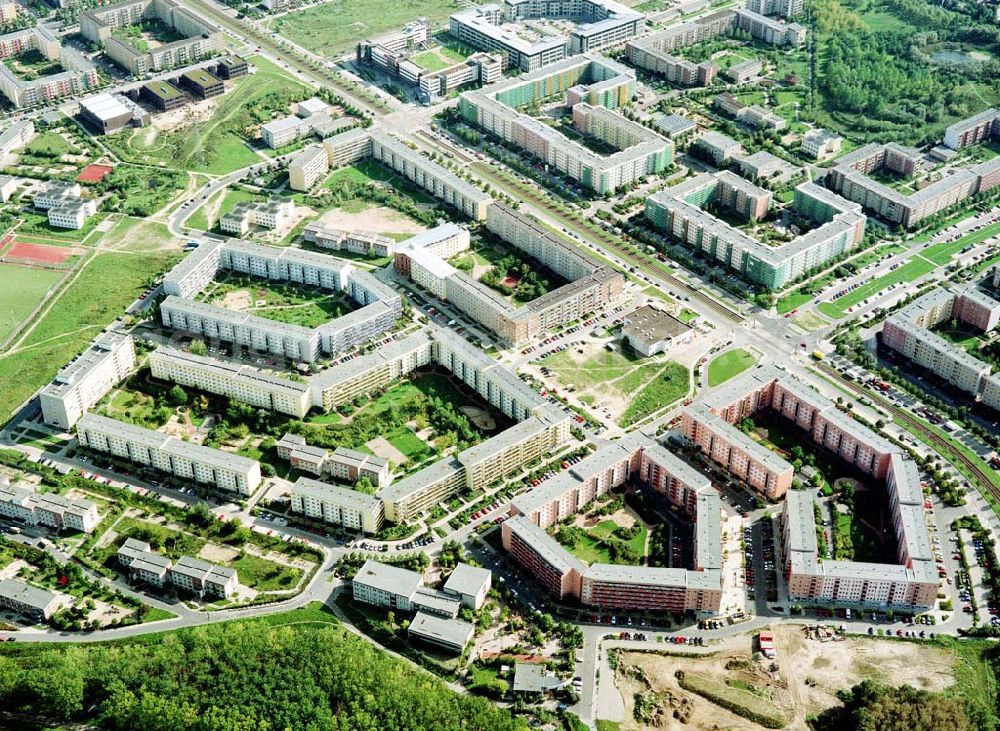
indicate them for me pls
(34, 603)
(470, 583)
(429, 600)
(535, 678)
(337, 505)
(650, 330)
(449, 634)
(674, 125)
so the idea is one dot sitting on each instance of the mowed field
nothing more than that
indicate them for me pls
(108, 284)
(23, 288)
(336, 26)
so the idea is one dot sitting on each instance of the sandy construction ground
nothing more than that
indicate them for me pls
(382, 448)
(809, 672)
(377, 219)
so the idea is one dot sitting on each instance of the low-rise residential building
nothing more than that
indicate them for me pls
(149, 448)
(337, 505)
(341, 463)
(36, 604)
(190, 575)
(269, 214)
(366, 243)
(821, 144)
(85, 380)
(20, 503)
(719, 148)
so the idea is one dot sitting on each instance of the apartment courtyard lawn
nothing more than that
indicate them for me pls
(619, 539)
(283, 302)
(729, 365)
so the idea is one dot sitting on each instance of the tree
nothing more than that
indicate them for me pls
(870, 706)
(177, 395)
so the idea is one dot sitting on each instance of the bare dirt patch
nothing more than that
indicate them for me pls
(214, 553)
(479, 416)
(382, 448)
(808, 673)
(377, 219)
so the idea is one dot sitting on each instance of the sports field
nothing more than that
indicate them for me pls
(336, 26)
(23, 288)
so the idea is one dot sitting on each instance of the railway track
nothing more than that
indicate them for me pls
(639, 261)
(981, 476)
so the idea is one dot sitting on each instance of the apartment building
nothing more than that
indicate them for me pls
(380, 305)
(991, 392)
(439, 181)
(341, 463)
(190, 575)
(654, 52)
(479, 68)
(710, 424)
(337, 505)
(20, 503)
(78, 76)
(744, 71)
(850, 179)
(85, 380)
(371, 372)
(38, 605)
(223, 470)
(783, 8)
(261, 334)
(974, 130)
(494, 27)
(366, 243)
(201, 39)
(592, 286)
(308, 168)
(268, 214)
(606, 85)
(608, 586)
(680, 212)
(763, 167)
(909, 333)
(912, 584)
(239, 382)
(718, 148)
(71, 214)
(15, 136)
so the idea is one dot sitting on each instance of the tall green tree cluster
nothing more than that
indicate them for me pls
(236, 677)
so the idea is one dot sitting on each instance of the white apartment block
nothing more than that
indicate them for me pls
(337, 505)
(72, 214)
(365, 243)
(821, 144)
(270, 214)
(54, 193)
(308, 168)
(223, 470)
(54, 511)
(191, 575)
(84, 381)
(15, 136)
(242, 383)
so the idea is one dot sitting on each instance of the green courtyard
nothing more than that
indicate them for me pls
(283, 302)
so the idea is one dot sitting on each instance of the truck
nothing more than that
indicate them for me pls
(817, 354)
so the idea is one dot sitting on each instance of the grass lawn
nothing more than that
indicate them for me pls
(438, 58)
(285, 302)
(592, 544)
(38, 223)
(942, 253)
(51, 145)
(23, 288)
(263, 575)
(603, 367)
(336, 26)
(368, 171)
(408, 443)
(670, 385)
(86, 306)
(141, 234)
(729, 365)
(792, 301)
(913, 269)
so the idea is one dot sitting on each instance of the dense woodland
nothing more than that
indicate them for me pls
(240, 676)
